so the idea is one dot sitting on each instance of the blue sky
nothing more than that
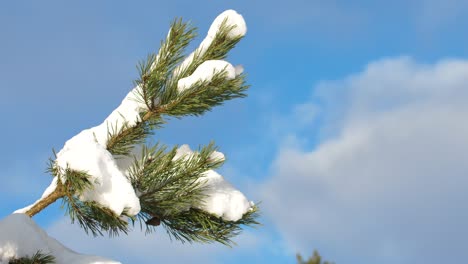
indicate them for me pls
(354, 134)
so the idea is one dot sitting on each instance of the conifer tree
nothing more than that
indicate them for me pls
(109, 180)
(314, 259)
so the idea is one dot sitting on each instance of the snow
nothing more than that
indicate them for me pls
(111, 189)
(127, 113)
(87, 152)
(239, 69)
(21, 237)
(216, 155)
(222, 199)
(232, 19)
(126, 162)
(205, 72)
(183, 151)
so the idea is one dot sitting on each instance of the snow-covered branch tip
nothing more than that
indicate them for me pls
(106, 175)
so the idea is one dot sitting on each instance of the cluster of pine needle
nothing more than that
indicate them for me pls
(169, 189)
(37, 258)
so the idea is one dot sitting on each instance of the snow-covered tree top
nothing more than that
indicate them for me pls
(20, 237)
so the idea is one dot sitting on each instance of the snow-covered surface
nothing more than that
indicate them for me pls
(205, 72)
(222, 199)
(20, 237)
(232, 19)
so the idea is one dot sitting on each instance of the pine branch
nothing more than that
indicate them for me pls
(196, 225)
(155, 72)
(91, 217)
(121, 141)
(218, 50)
(171, 188)
(195, 101)
(46, 201)
(56, 194)
(158, 81)
(203, 96)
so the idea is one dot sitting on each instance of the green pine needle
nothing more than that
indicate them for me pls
(201, 97)
(37, 258)
(169, 190)
(218, 50)
(92, 218)
(196, 225)
(167, 186)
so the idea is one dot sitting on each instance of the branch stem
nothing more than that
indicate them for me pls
(46, 201)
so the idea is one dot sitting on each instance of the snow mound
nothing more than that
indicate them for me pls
(21, 237)
(87, 152)
(111, 187)
(222, 199)
(205, 72)
(233, 19)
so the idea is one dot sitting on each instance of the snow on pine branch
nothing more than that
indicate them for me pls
(21, 237)
(221, 198)
(111, 187)
(87, 152)
(231, 19)
(205, 72)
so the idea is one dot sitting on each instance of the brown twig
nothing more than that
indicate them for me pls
(48, 200)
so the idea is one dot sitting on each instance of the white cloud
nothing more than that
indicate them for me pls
(387, 183)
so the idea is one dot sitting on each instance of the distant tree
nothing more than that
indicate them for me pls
(37, 258)
(314, 259)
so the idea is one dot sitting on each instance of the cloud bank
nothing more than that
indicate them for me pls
(386, 182)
